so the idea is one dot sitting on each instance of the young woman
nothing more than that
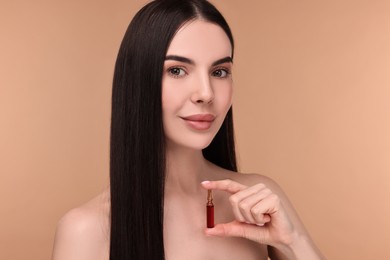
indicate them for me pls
(171, 141)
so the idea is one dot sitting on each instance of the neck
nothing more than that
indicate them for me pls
(185, 170)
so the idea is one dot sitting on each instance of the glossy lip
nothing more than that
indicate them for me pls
(199, 121)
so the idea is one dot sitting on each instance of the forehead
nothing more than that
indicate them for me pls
(199, 39)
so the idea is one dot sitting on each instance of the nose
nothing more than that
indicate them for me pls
(203, 91)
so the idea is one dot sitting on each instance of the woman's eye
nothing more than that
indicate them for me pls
(220, 73)
(176, 72)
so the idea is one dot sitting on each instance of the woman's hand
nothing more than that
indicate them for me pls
(260, 216)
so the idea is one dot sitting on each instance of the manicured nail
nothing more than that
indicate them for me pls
(205, 182)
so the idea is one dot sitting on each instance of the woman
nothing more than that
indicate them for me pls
(171, 141)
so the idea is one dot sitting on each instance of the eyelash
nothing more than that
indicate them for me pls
(175, 75)
(224, 69)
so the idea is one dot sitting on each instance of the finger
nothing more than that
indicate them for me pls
(246, 205)
(238, 229)
(261, 211)
(261, 219)
(241, 202)
(238, 215)
(231, 229)
(241, 206)
(225, 185)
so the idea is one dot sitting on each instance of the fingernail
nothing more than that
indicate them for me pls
(205, 182)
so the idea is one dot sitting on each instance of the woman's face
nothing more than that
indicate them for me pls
(196, 84)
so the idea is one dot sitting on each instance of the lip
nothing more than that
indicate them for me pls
(200, 117)
(199, 121)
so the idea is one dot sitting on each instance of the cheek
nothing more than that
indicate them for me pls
(171, 104)
(165, 89)
(224, 95)
(168, 97)
(173, 95)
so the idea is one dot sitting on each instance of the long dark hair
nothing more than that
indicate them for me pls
(137, 149)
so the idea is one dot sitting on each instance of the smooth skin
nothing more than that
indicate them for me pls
(254, 218)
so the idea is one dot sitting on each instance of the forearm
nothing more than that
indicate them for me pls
(301, 248)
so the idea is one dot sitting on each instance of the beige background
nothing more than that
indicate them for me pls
(312, 110)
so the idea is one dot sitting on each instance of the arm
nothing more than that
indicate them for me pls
(264, 214)
(79, 237)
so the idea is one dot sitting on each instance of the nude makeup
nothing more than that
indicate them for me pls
(200, 121)
(210, 209)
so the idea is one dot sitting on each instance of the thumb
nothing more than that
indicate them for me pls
(238, 229)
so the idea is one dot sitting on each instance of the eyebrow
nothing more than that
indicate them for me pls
(191, 62)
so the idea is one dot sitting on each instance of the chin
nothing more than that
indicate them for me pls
(202, 145)
(194, 142)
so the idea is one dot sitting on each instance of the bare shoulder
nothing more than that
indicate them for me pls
(250, 179)
(83, 232)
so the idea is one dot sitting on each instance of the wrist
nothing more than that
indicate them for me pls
(299, 246)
